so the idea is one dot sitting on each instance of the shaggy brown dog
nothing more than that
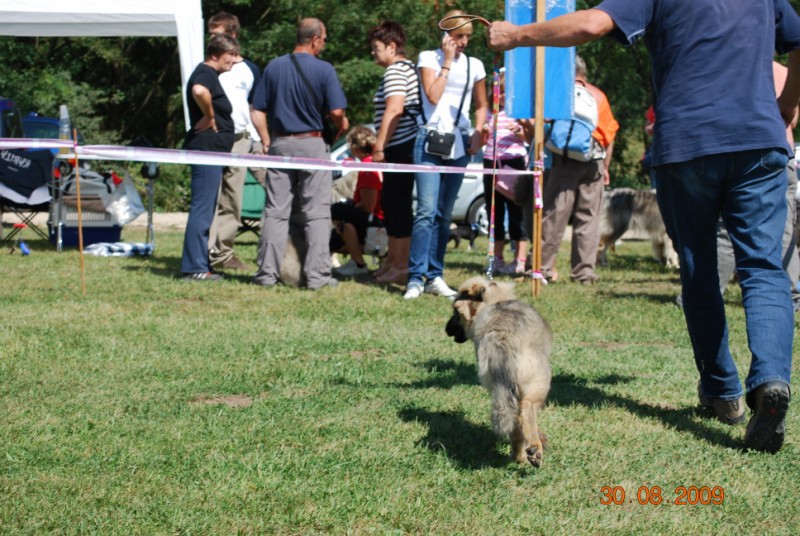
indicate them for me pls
(512, 347)
(637, 210)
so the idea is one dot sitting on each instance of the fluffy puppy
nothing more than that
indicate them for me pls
(512, 347)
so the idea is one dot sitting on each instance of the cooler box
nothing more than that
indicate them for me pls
(98, 225)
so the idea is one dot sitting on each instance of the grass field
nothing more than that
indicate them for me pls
(155, 406)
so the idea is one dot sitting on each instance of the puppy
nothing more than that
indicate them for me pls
(637, 210)
(469, 232)
(512, 348)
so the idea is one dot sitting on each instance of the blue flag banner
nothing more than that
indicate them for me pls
(559, 72)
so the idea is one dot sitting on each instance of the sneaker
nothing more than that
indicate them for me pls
(726, 411)
(202, 276)
(438, 287)
(331, 283)
(767, 426)
(350, 269)
(413, 291)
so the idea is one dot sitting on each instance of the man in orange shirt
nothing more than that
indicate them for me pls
(575, 189)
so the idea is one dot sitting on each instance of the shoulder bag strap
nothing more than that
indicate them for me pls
(463, 95)
(308, 85)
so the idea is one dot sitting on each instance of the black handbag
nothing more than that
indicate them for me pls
(328, 131)
(441, 143)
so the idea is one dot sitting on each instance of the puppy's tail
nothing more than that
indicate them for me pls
(505, 406)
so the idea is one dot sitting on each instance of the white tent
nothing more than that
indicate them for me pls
(107, 18)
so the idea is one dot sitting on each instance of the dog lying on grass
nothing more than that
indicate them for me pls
(512, 347)
(637, 210)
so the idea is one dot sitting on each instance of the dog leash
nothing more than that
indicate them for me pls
(497, 63)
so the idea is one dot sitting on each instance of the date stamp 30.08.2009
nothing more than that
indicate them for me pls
(654, 495)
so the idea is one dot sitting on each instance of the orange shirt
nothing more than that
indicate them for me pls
(607, 126)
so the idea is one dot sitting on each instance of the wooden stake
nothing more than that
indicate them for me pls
(538, 140)
(80, 214)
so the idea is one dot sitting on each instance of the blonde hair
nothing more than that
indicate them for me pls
(362, 138)
(456, 21)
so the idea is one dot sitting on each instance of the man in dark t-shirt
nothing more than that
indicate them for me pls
(288, 106)
(719, 149)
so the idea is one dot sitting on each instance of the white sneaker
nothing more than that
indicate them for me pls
(413, 291)
(438, 287)
(350, 269)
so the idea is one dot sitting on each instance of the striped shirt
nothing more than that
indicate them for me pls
(399, 78)
(509, 143)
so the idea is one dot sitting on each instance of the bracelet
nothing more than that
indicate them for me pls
(443, 68)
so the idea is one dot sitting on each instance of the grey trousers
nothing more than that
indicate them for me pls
(573, 189)
(726, 263)
(229, 207)
(305, 196)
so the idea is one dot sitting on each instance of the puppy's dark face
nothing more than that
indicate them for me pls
(455, 329)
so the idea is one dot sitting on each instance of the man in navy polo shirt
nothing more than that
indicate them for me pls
(719, 149)
(288, 115)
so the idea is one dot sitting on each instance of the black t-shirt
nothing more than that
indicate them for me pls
(208, 140)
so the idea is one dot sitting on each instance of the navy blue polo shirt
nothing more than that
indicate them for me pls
(285, 98)
(712, 71)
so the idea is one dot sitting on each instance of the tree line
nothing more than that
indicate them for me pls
(119, 88)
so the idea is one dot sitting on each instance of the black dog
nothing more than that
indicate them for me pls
(468, 232)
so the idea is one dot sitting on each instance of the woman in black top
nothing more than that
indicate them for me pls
(212, 130)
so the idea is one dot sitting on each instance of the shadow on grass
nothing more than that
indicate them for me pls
(568, 389)
(565, 390)
(469, 445)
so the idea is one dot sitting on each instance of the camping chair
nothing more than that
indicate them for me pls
(253, 199)
(25, 178)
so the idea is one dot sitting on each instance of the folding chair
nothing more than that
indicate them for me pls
(253, 200)
(25, 178)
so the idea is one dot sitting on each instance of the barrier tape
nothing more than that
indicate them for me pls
(176, 156)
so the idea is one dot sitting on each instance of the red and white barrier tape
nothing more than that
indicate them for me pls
(175, 156)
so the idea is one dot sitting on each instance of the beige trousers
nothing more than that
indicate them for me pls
(574, 190)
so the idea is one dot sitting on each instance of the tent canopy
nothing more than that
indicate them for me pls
(103, 18)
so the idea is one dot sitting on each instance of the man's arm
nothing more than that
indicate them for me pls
(340, 120)
(259, 119)
(790, 96)
(567, 30)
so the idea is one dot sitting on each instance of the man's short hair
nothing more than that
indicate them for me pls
(389, 32)
(362, 138)
(219, 44)
(580, 67)
(307, 29)
(228, 22)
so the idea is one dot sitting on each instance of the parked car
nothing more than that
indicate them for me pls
(469, 209)
(10, 121)
(39, 126)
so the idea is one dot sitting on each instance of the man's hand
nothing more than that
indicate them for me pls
(501, 36)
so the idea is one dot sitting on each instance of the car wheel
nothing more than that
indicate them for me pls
(477, 215)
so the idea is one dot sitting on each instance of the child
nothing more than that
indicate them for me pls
(352, 218)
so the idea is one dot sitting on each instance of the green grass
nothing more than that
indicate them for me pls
(155, 406)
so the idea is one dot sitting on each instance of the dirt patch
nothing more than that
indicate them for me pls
(232, 401)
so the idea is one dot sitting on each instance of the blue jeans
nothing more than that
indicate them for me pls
(436, 196)
(202, 207)
(748, 189)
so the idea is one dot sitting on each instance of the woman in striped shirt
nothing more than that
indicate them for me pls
(396, 109)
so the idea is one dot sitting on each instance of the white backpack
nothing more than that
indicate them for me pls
(572, 138)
